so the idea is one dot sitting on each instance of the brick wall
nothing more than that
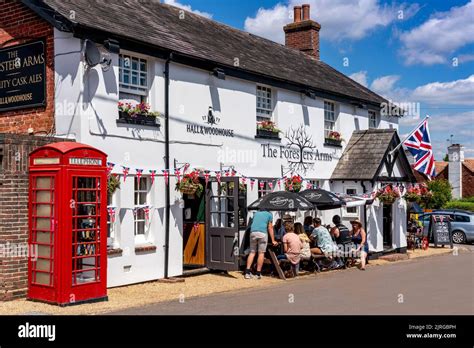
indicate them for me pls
(467, 182)
(18, 25)
(14, 150)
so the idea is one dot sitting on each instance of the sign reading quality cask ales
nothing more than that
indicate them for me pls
(23, 76)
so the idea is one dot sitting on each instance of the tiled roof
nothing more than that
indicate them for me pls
(163, 26)
(440, 166)
(364, 154)
(469, 164)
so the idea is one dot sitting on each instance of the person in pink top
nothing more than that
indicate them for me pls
(292, 246)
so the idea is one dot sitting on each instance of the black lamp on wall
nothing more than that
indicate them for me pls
(219, 73)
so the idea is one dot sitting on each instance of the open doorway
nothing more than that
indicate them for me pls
(387, 226)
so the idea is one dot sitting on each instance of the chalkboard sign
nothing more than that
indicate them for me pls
(440, 227)
(23, 76)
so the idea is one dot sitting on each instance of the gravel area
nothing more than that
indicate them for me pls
(143, 294)
(153, 292)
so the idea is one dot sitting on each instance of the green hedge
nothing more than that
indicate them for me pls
(464, 205)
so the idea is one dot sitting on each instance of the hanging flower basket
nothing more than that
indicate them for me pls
(412, 197)
(388, 194)
(190, 185)
(293, 184)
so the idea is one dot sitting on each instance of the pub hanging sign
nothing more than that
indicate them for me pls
(23, 76)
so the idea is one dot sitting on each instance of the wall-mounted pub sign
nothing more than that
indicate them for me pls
(23, 76)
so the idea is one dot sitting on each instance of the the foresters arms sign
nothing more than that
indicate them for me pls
(23, 76)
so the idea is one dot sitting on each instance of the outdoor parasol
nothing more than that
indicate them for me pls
(281, 201)
(322, 199)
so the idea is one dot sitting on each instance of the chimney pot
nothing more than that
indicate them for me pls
(297, 14)
(306, 14)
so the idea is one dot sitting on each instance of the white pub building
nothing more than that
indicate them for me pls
(220, 93)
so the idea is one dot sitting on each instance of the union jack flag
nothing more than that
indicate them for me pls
(419, 145)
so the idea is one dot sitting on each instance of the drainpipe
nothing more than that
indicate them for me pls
(167, 162)
(365, 205)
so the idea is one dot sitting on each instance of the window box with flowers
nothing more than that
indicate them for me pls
(267, 130)
(190, 185)
(333, 139)
(388, 194)
(293, 184)
(138, 114)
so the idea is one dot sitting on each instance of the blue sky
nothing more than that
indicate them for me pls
(418, 52)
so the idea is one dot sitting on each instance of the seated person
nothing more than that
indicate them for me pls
(324, 243)
(308, 225)
(277, 229)
(306, 250)
(292, 247)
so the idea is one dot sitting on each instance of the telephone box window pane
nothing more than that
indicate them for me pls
(44, 251)
(43, 237)
(43, 183)
(43, 224)
(43, 196)
(42, 278)
(43, 265)
(43, 210)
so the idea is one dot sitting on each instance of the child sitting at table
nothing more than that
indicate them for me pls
(305, 253)
(292, 246)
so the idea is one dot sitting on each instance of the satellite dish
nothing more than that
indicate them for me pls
(92, 54)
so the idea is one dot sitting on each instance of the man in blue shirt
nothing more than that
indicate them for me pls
(262, 226)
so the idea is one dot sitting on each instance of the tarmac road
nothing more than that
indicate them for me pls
(434, 285)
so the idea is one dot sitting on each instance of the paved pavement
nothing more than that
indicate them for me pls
(434, 285)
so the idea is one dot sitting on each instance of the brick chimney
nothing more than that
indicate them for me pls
(303, 33)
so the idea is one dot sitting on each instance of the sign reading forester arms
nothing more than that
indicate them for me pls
(23, 76)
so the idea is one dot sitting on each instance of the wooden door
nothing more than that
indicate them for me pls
(222, 225)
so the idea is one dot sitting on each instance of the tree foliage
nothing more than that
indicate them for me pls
(441, 189)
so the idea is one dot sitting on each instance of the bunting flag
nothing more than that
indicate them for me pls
(218, 177)
(178, 175)
(206, 176)
(279, 184)
(261, 184)
(308, 185)
(111, 212)
(139, 173)
(252, 182)
(135, 211)
(110, 167)
(244, 180)
(185, 168)
(227, 172)
(270, 185)
(146, 210)
(233, 172)
(166, 175)
(152, 175)
(125, 171)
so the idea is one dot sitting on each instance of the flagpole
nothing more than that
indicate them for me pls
(409, 135)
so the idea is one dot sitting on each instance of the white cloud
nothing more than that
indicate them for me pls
(458, 92)
(439, 37)
(360, 77)
(187, 8)
(339, 19)
(385, 84)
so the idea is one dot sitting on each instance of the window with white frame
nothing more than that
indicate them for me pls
(351, 210)
(262, 191)
(141, 191)
(373, 119)
(330, 117)
(264, 103)
(133, 78)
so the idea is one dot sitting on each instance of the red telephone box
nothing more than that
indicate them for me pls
(68, 224)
